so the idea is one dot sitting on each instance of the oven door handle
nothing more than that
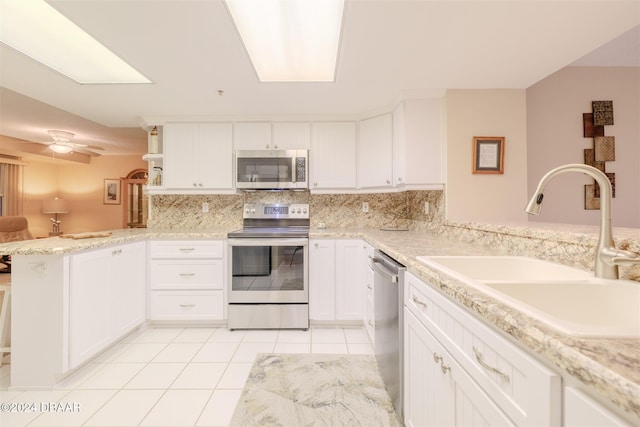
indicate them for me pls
(268, 241)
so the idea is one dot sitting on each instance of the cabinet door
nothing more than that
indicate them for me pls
(417, 142)
(291, 136)
(91, 301)
(322, 274)
(580, 411)
(129, 283)
(333, 155)
(180, 141)
(252, 136)
(375, 152)
(214, 156)
(369, 313)
(427, 396)
(349, 282)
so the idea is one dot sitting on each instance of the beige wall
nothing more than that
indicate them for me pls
(486, 197)
(555, 137)
(82, 186)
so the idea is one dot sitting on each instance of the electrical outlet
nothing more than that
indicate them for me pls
(205, 207)
(426, 208)
(365, 207)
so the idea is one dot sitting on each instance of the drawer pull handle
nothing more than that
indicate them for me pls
(187, 249)
(187, 274)
(437, 358)
(445, 368)
(370, 323)
(187, 305)
(416, 300)
(488, 367)
(369, 286)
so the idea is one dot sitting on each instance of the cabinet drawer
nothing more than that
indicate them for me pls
(186, 249)
(186, 274)
(527, 391)
(186, 305)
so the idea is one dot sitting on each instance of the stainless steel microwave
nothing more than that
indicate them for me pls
(272, 169)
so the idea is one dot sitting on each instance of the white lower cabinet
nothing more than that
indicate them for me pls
(369, 310)
(458, 371)
(582, 411)
(106, 298)
(187, 280)
(438, 392)
(336, 287)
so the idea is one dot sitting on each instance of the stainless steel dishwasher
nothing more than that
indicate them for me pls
(388, 298)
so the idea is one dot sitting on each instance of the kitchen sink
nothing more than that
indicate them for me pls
(568, 299)
(507, 268)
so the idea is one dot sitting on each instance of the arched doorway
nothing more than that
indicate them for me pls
(135, 204)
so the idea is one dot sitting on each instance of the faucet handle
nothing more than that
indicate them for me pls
(622, 257)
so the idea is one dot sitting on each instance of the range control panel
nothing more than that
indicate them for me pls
(275, 211)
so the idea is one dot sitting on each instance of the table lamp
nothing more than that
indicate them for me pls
(55, 206)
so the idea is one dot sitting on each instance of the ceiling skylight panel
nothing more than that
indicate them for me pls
(36, 29)
(290, 40)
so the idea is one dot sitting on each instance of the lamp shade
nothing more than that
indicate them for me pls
(55, 205)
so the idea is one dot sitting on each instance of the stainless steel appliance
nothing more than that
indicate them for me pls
(388, 294)
(272, 169)
(269, 268)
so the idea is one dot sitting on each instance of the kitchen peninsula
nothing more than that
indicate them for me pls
(607, 369)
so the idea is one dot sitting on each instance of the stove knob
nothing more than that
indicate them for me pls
(246, 210)
(304, 210)
(253, 211)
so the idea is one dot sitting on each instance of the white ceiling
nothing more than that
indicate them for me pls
(391, 49)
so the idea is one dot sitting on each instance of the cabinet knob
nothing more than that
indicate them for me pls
(399, 179)
(268, 146)
(275, 146)
(315, 184)
(199, 184)
(388, 182)
(195, 184)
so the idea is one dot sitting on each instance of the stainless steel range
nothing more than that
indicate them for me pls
(269, 268)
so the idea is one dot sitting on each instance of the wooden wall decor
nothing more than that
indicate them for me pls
(604, 149)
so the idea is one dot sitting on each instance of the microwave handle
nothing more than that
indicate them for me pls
(294, 170)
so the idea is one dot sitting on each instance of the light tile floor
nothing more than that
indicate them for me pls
(167, 377)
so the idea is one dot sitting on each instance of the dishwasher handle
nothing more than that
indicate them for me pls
(378, 266)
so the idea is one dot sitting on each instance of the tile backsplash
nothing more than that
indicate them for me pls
(403, 209)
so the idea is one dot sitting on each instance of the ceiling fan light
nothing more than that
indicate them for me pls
(60, 148)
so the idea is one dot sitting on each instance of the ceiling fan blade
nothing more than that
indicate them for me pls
(85, 151)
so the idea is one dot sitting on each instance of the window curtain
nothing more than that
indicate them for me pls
(11, 189)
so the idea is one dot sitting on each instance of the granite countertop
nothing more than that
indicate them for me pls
(608, 368)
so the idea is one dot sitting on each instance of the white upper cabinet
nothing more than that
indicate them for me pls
(291, 136)
(198, 156)
(333, 156)
(271, 136)
(252, 136)
(375, 152)
(418, 142)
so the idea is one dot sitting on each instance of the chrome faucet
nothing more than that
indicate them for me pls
(607, 256)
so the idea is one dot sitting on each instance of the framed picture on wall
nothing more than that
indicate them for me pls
(488, 154)
(112, 192)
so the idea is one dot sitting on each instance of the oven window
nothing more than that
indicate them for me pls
(264, 169)
(267, 268)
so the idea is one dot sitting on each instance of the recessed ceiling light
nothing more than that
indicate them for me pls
(290, 40)
(36, 29)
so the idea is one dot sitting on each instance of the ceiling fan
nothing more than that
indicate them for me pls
(62, 144)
